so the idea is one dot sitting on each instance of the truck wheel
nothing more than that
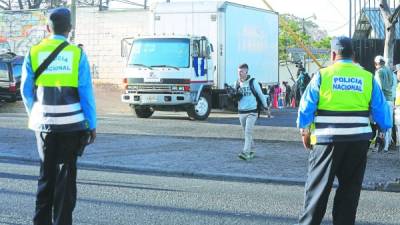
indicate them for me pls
(143, 111)
(202, 109)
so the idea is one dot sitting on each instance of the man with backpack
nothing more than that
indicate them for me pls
(251, 102)
(302, 80)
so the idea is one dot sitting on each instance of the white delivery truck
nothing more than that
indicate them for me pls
(195, 50)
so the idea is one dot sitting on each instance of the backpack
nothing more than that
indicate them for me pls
(306, 79)
(260, 106)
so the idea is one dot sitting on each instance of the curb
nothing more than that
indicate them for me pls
(388, 187)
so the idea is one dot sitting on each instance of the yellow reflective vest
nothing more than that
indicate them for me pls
(343, 107)
(57, 107)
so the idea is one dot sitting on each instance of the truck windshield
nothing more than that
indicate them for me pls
(169, 52)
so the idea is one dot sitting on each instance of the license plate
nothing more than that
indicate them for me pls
(150, 99)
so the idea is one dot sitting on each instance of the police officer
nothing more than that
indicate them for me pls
(61, 109)
(334, 121)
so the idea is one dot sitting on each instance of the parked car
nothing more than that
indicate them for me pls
(10, 77)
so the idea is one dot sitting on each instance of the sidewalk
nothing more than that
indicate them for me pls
(215, 158)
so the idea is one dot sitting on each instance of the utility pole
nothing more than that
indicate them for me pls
(295, 36)
(349, 18)
(73, 20)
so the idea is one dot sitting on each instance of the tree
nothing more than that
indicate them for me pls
(390, 19)
(309, 32)
(30, 4)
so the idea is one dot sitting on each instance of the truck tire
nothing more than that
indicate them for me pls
(143, 111)
(202, 109)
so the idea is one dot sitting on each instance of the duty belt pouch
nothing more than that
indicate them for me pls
(83, 141)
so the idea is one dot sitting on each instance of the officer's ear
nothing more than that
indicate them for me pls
(48, 28)
(333, 55)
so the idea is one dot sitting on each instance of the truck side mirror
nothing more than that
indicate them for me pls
(126, 45)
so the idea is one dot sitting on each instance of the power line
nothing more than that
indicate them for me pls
(337, 10)
(338, 28)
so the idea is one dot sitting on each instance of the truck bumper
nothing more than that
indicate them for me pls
(157, 99)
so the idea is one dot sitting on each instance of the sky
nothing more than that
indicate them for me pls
(331, 15)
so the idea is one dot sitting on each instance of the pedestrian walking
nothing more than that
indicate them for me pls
(57, 92)
(397, 105)
(288, 94)
(334, 121)
(394, 139)
(252, 97)
(384, 78)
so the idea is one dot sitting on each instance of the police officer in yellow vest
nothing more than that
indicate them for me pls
(61, 109)
(334, 121)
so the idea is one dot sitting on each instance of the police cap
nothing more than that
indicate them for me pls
(60, 20)
(342, 45)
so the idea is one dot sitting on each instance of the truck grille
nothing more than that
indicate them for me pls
(152, 89)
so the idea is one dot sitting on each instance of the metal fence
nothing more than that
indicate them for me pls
(365, 15)
(367, 49)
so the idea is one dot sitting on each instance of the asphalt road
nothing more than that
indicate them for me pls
(110, 198)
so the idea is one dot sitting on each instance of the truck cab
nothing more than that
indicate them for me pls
(173, 73)
(177, 68)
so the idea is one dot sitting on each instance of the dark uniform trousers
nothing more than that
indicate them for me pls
(347, 162)
(56, 194)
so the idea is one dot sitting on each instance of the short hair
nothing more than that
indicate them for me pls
(379, 60)
(244, 66)
(60, 20)
(342, 46)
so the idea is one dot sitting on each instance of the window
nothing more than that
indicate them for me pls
(4, 72)
(156, 51)
(17, 68)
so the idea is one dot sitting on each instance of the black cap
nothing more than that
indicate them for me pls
(342, 45)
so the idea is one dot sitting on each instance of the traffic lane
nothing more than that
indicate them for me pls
(275, 161)
(124, 198)
(280, 118)
(171, 124)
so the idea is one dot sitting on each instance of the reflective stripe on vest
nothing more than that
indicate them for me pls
(397, 101)
(57, 106)
(343, 107)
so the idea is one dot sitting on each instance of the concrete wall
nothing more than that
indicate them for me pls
(101, 33)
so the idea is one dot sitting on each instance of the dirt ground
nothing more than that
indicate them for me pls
(108, 101)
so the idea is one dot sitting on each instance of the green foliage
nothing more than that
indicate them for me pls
(302, 28)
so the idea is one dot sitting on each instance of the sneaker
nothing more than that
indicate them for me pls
(388, 152)
(244, 156)
(252, 155)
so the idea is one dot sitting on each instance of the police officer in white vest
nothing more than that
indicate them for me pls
(334, 121)
(57, 92)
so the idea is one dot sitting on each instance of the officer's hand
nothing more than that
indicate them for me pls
(306, 138)
(92, 137)
(382, 135)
